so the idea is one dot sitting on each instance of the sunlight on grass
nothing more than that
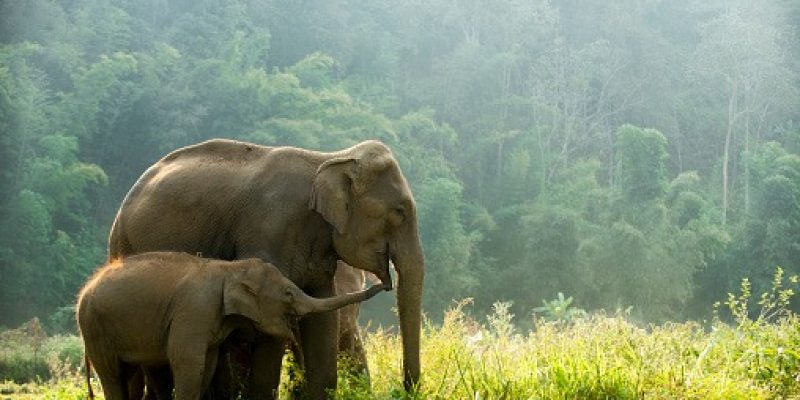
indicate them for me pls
(595, 356)
(598, 356)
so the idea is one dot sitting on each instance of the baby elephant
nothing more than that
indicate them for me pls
(175, 309)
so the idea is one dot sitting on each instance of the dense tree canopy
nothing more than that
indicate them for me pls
(625, 153)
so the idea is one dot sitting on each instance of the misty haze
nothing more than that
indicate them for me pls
(603, 197)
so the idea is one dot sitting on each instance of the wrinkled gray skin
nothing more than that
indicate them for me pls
(298, 209)
(175, 309)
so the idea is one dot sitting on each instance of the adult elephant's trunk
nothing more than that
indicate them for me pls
(410, 265)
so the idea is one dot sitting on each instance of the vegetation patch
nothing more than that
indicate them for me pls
(592, 357)
(598, 356)
(739, 354)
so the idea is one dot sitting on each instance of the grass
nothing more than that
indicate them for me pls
(592, 357)
(596, 357)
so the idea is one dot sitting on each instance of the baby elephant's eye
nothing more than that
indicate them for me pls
(288, 294)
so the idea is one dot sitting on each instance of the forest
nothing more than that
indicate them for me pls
(632, 155)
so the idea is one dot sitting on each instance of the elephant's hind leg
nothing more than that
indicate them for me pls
(114, 377)
(266, 372)
(135, 385)
(159, 382)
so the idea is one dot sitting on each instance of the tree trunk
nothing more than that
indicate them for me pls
(747, 164)
(726, 153)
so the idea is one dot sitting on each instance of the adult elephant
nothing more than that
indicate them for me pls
(299, 209)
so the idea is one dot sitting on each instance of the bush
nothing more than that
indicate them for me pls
(64, 351)
(28, 355)
(21, 365)
(21, 359)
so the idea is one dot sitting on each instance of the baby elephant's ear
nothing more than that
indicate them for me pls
(239, 296)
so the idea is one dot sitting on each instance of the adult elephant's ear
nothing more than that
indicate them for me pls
(331, 191)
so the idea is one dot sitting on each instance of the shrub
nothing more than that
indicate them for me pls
(28, 355)
(21, 358)
(63, 351)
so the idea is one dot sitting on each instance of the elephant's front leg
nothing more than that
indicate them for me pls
(192, 372)
(318, 335)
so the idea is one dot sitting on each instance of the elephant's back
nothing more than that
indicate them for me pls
(134, 294)
(188, 200)
(195, 198)
(219, 150)
(215, 164)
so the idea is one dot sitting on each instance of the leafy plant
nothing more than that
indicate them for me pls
(27, 354)
(559, 309)
(773, 304)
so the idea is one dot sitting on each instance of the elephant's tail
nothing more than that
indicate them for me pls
(88, 375)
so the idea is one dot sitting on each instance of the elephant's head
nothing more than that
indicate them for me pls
(263, 295)
(363, 194)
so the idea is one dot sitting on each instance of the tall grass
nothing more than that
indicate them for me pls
(754, 355)
(596, 357)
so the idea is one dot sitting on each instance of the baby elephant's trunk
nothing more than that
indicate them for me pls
(307, 304)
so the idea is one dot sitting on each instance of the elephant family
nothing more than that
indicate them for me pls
(298, 209)
(161, 308)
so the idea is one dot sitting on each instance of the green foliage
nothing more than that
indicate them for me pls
(770, 235)
(776, 365)
(772, 305)
(519, 129)
(314, 71)
(548, 260)
(598, 356)
(517, 125)
(559, 309)
(446, 242)
(62, 321)
(641, 153)
(27, 354)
